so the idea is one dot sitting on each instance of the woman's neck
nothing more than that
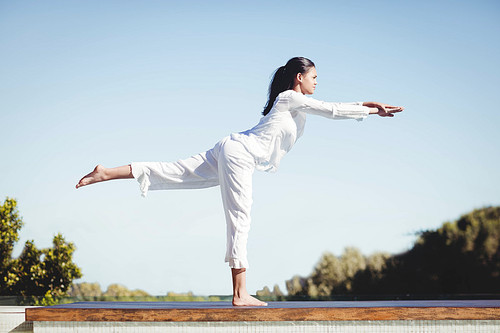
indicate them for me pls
(296, 88)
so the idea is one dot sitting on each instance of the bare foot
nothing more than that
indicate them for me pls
(247, 300)
(98, 175)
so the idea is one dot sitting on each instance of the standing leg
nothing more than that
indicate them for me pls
(236, 168)
(240, 294)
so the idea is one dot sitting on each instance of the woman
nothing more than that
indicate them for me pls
(233, 160)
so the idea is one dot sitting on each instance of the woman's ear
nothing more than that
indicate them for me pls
(299, 77)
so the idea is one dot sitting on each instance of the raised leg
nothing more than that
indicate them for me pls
(240, 294)
(101, 174)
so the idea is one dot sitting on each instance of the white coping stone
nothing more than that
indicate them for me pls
(12, 320)
(394, 326)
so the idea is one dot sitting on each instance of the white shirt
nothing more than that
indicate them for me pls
(277, 132)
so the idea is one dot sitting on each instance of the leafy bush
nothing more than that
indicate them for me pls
(40, 276)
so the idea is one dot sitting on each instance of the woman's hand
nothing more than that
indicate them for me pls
(383, 110)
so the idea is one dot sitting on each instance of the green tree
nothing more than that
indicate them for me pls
(326, 276)
(267, 294)
(331, 275)
(367, 281)
(84, 289)
(296, 286)
(42, 275)
(352, 262)
(10, 225)
(460, 257)
(118, 290)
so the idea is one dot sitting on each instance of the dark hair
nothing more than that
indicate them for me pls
(283, 78)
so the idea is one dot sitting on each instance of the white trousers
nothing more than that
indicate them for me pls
(227, 164)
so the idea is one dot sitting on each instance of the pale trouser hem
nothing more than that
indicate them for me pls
(236, 263)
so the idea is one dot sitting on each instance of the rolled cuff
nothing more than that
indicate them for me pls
(237, 263)
(141, 174)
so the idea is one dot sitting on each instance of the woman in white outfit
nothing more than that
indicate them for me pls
(232, 161)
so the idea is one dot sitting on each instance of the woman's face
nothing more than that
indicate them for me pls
(308, 81)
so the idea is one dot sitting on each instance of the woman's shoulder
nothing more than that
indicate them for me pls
(289, 100)
(288, 92)
(292, 96)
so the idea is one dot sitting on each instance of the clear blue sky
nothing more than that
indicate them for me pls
(110, 82)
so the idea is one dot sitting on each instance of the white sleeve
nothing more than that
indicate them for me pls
(355, 110)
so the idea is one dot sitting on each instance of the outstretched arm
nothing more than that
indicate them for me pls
(383, 110)
(358, 110)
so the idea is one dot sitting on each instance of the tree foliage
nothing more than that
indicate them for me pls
(10, 225)
(94, 290)
(336, 275)
(37, 272)
(460, 257)
(85, 291)
(266, 294)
